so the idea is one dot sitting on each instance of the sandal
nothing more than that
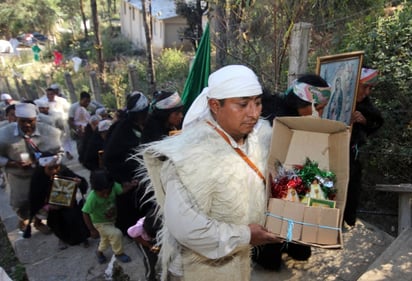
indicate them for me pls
(123, 258)
(101, 258)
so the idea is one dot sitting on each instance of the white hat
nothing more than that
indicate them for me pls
(94, 118)
(50, 160)
(53, 87)
(101, 111)
(104, 125)
(26, 110)
(232, 81)
(41, 103)
(5, 96)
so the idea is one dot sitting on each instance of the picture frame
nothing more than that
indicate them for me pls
(63, 191)
(313, 202)
(342, 72)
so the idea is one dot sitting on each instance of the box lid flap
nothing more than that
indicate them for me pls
(309, 123)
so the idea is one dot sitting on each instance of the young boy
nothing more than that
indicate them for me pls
(99, 214)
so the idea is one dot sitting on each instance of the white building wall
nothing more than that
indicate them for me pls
(165, 31)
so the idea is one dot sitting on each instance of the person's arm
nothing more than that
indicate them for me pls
(208, 237)
(88, 221)
(71, 123)
(129, 185)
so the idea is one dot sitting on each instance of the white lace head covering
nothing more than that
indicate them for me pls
(50, 160)
(232, 81)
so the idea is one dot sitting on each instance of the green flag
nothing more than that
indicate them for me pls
(199, 71)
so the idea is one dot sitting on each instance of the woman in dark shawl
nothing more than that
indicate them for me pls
(124, 139)
(165, 116)
(65, 222)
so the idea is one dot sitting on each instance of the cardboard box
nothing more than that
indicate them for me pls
(327, 142)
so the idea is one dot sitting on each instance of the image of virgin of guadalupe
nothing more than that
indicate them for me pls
(336, 101)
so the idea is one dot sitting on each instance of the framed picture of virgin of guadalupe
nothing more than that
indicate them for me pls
(63, 191)
(342, 72)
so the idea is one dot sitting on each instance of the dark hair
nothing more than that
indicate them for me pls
(314, 80)
(101, 180)
(10, 108)
(293, 101)
(29, 101)
(84, 95)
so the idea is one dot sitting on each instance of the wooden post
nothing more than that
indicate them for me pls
(299, 47)
(19, 90)
(94, 85)
(70, 86)
(39, 91)
(49, 80)
(404, 211)
(133, 77)
(404, 191)
(6, 87)
(28, 92)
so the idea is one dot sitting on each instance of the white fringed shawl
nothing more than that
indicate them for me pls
(220, 184)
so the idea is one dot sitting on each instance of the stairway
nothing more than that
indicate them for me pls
(395, 263)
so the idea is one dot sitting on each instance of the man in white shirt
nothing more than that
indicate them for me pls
(57, 104)
(79, 117)
(209, 181)
(21, 144)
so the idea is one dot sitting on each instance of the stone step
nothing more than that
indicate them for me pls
(395, 263)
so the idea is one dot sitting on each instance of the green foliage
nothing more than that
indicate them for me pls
(115, 46)
(26, 16)
(193, 12)
(172, 68)
(388, 47)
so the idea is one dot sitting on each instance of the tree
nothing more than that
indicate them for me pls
(257, 33)
(98, 44)
(387, 45)
(193, 12)
(84, 20)
(72, 11)
(26, 16)
(148, 28)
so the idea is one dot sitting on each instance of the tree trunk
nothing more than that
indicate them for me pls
(84, 20)
(148, 28)
(219, 35)
(98, 45)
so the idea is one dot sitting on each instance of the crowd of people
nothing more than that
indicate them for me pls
(188, 188)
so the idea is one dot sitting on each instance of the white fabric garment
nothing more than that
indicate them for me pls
(208, 206)
(204, 235)
(59, 106)
(81, 117)
(228, 82)
(76, 63)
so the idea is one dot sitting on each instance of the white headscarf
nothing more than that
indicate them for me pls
(232, 81)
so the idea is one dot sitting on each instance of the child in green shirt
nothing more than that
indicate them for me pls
(99, 214)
